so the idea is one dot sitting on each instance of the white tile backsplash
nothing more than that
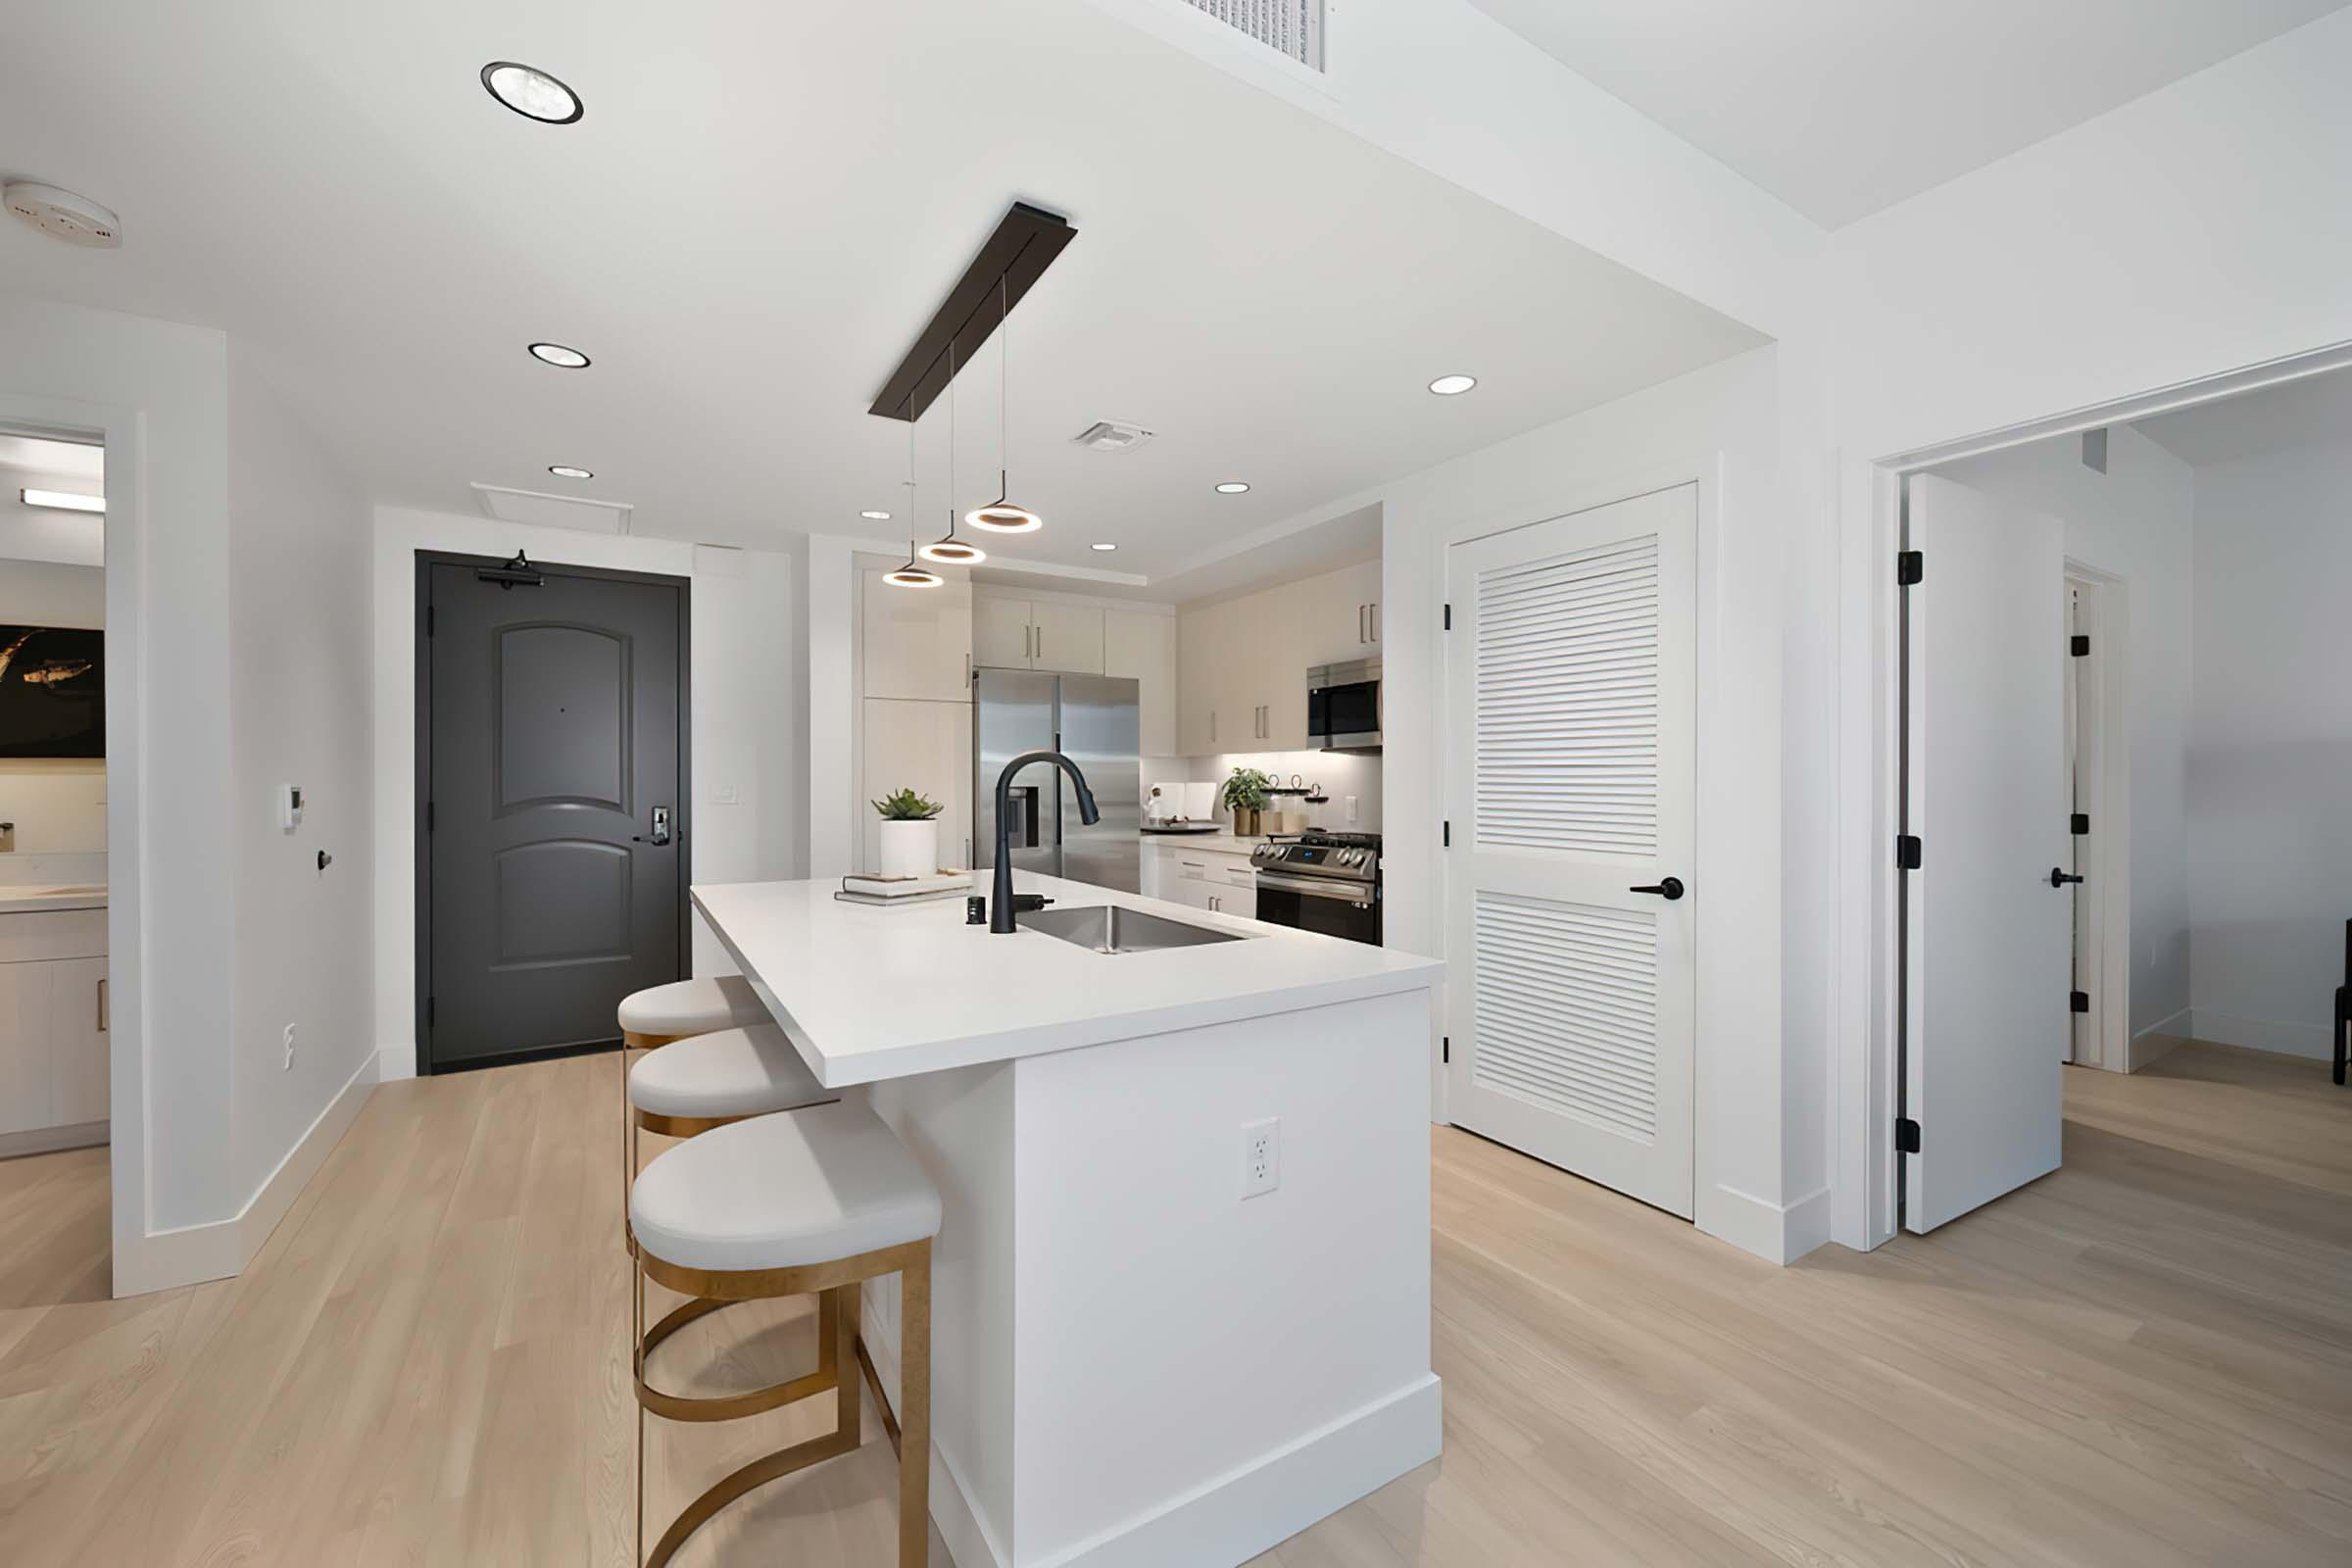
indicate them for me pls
(1342, 774)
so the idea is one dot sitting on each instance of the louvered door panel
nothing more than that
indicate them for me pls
(1570, 751)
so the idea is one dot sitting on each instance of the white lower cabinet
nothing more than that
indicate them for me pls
(53, 1024)
(1217, 880)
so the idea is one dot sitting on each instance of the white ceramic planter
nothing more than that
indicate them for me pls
(909, 848)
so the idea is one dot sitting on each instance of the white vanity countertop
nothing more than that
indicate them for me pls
(43, 896)
(869, 993)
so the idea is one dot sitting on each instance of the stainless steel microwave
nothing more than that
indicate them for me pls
(1342, 705)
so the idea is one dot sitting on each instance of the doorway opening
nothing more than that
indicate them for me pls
(2123, 726)
(56, 1001)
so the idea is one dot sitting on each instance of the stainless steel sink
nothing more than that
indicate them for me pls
(1114, 928)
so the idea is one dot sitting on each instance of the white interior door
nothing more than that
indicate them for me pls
(1570, 774)
(1986, 940)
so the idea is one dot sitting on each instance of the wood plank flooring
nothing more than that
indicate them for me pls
(2144, 1358)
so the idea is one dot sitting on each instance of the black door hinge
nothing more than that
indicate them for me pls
(1450, 617)
(1910, 566)
(1449, 827)
(2078, 1001)
(429, 620)
(1906, 852)
(2080, 643)
(1448, 1049)
(1906, 1136)
(2079, 824)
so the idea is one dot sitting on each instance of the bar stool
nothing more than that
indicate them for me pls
(660, 1014)
(807, 1201)
(684, 1088)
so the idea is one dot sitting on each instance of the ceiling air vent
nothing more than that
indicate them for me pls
(1293, 27)
(1107, 435)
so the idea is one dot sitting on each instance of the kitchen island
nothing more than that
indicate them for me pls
(1133, 1362)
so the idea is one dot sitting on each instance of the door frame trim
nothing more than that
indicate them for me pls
(1864, 955)
(420, 786)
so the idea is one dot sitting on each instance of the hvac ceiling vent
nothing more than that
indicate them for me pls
(62, 215)
(1293, 27)
(543, 511)
(1108, 435)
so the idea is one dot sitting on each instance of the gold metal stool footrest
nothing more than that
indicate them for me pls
(734, 1407)
(760, 1472)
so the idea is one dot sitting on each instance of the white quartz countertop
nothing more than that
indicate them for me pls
(1219, 843)
(35, 897)
(868, 993)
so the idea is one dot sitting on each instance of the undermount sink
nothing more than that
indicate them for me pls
(1115, 928)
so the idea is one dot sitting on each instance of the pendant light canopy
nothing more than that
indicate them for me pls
(1001, 515)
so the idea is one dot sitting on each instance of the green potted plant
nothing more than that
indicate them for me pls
(909, 834)
(1245, 796)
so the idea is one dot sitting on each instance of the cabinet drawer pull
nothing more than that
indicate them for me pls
(102, 1001)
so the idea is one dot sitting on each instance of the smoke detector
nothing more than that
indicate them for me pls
(1108, 435)
(62, 215)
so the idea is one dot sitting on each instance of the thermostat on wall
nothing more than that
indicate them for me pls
(289, 806)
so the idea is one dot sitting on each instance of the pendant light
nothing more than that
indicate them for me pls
(913, 575)
(1001, 515)
(950, 549)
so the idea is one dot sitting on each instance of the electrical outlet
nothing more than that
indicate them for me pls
(1261, 1156)
(289, 1048)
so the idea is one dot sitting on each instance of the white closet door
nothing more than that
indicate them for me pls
(1570, 759)
(1985, 942)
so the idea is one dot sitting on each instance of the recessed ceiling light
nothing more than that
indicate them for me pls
(1102, 547)
(565, 470)
(531, 93)
(62, 500)
(1447, 386)
(875, 516)
(556, 354)
(1231, 487)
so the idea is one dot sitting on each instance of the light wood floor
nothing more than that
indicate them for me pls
(2143, 1359)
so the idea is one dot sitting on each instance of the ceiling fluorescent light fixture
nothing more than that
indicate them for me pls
(556, 354)
(565, 470)
(875, 516)
(1233, 487)
(1449, 386)
(531, 93)
(1104, 547)
(62, 500)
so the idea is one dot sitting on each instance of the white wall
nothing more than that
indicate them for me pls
(299, 714)
(2270, 758)
(58, 806)
(2134, 522)
(749, 734)
(2185, 235)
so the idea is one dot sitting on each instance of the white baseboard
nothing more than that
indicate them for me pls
(2158, 1040)
(1778, 1233)
(221, 1248)
(1225, 1521)
(396, 1063)
(2263, 1033)
(50, 1140)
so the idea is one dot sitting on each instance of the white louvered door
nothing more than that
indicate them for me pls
(1570, 762)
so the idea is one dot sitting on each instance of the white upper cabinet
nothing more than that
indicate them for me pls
(1339, 613)
(1241, 666)
(1000, 634)
(1141, 645)
(1040, 634)
(918, 641)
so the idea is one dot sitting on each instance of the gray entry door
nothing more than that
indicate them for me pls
(553, 771)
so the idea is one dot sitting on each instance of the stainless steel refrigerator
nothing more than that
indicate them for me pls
(1091, 720)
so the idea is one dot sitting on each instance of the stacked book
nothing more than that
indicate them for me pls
(941, 884)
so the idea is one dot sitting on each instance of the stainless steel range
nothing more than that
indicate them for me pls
(1323, 882)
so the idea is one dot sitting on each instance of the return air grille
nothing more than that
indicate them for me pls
(1567, 703)
(1293, 27)
(1566, 1006)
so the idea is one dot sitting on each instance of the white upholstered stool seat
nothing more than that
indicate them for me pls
(782, 1192)
(689, 1008)
(723, 1075)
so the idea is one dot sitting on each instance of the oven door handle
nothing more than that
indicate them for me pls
(1342, 892)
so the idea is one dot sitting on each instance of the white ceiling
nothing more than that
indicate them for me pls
(1843, 107)
(2293, 413)
(760, 209)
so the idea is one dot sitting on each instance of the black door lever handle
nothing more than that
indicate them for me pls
(1669, 889)
(2059, 879)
